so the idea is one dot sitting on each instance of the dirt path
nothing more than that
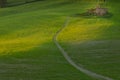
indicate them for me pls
(87, 72)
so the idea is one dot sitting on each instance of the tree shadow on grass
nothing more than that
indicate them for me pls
(87, 15)
(22, 3)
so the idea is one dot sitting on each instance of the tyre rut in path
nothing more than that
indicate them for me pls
(66, 56)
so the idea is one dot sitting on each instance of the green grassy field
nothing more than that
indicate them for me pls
(94, 42)
(27, 50)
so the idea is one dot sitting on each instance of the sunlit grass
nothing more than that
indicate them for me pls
(22, 44)
(80, 29)
(26, 38)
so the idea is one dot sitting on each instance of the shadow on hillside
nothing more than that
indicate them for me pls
(85, 15)
(22, 3)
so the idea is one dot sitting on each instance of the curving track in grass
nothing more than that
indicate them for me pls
(87, 72)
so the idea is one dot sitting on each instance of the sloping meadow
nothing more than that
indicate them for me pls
(94, 42)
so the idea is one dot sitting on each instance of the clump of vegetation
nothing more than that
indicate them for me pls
(98, 11)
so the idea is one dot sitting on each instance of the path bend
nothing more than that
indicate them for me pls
(66, 56)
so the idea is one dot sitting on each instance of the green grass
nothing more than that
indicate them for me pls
(95, 42)
(27, 51)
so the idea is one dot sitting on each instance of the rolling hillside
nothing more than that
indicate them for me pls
(27, 49)
(94, 42)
